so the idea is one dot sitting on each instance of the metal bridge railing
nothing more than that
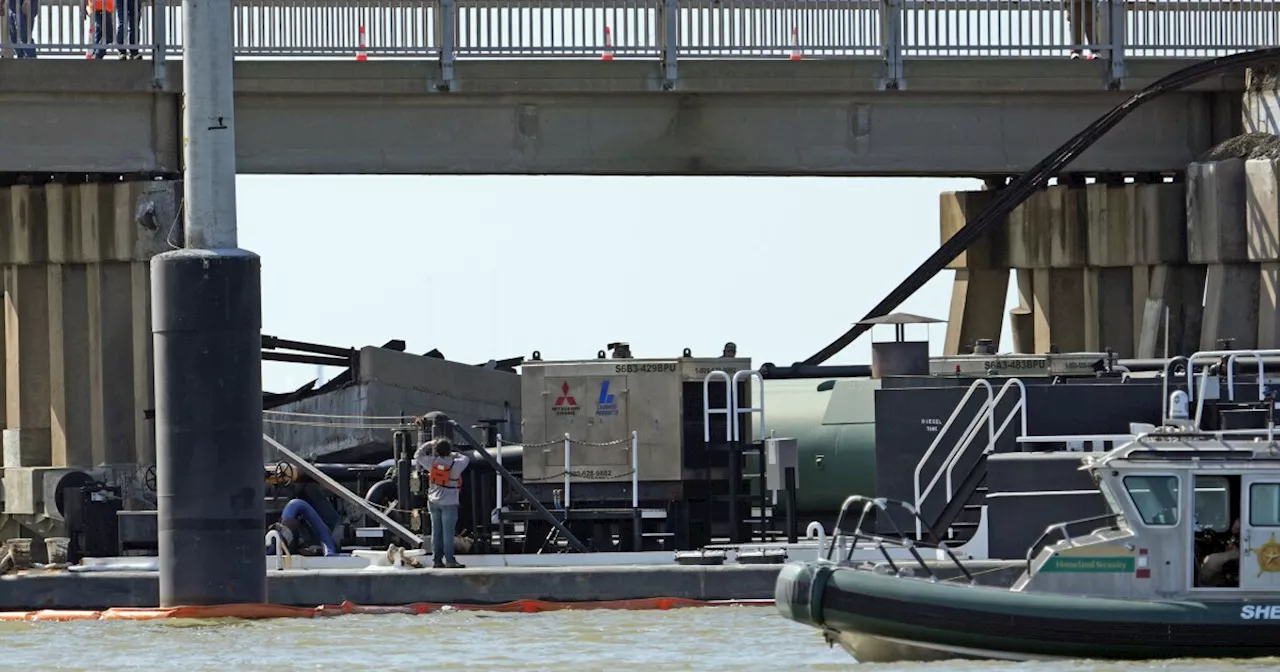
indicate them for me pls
(887, 30)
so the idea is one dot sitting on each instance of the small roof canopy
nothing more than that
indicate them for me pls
(899, 322)
(902, 318)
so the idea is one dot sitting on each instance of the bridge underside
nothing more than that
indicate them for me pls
(959, 118)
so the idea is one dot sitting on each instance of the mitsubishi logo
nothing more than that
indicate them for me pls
(565, 405)
(565, 397)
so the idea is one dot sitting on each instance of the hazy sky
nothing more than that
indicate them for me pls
(494, 267)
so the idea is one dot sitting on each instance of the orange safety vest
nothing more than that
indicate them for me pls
(440, 475)
(102, 6)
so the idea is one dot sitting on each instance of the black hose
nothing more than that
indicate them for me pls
(1021, 188)
(382, 493)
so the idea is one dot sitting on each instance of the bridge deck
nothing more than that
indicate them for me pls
(961, 117)
(884, 87)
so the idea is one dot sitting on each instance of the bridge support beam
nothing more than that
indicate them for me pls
(1262, 200)
(1084, 259)
(76, 328)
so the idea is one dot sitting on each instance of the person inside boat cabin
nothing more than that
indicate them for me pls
(1214, 570)
(444, 472)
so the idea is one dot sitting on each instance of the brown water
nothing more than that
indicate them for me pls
(717, 638)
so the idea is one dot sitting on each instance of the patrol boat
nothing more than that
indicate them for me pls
(1186, 564)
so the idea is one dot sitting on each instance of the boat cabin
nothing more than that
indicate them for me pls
(1194, 514)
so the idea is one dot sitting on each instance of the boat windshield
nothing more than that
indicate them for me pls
(1155, 497)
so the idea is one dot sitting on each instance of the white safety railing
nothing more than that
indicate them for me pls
(667, 30)
(566, 486)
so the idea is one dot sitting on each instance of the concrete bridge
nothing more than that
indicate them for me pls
(794, 87)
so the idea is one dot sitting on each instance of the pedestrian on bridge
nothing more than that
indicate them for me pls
(101, 15)
(22, 26)
(1080, 17)
(127, 28)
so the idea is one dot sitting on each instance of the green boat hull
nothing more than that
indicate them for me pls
(884, 618)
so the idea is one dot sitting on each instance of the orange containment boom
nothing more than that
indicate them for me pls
(260, 611)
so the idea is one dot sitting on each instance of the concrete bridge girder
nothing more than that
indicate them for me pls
(957, 117)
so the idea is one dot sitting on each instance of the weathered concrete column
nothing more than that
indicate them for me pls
(1159, 214)
(27, 440)
(1261, 104)
(1111, 242)
(1028, 244)
(1217, 237)
(982, 278)
(1060, 290)
(1262, 199)
(77, 327)
(1022, 318)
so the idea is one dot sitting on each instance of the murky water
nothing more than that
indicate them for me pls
(685, 639)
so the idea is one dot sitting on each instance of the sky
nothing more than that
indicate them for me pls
(494, 267)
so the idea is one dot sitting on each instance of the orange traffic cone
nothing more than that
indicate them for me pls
(360, 53)
(608, 45)
(795, 44)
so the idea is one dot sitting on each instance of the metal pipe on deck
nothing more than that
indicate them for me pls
(207, 327)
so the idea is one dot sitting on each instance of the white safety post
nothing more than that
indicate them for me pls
(635, 469)
(567, 443)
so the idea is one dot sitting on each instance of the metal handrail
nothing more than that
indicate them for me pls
(912, 546)
(739, 409)
(982, 414)
(727, 411)
(1019, 408)
(1231, 377)
(1061, 527)
(888, 30)
(1141, 441)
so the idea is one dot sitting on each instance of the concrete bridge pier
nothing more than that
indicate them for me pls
(77, 342)
(1261, 201)
(1094, 265)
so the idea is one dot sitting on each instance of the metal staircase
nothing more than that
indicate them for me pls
(953, 498)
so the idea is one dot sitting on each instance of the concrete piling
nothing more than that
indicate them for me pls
(77, 384)
(1098, 266)
(982, 278)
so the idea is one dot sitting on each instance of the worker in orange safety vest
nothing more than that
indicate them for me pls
(101, 14)
(444, 473)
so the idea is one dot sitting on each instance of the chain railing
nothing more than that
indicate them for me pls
(890, 31)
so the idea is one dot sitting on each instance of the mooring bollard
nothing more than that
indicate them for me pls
(57, 549)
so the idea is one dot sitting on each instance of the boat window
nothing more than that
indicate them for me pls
(1213, 503)
(1264, 505)
(1156, 498)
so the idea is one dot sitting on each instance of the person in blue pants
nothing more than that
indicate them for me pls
(22, 26)
(296, 514)
(444, 471)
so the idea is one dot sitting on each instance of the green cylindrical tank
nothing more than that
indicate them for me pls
(833, 421)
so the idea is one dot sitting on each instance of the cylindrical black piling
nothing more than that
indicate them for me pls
(207, 326)
(404, 469)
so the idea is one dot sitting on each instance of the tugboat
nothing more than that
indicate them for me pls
(1185, 564)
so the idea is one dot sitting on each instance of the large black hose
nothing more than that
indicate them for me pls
(1038, 176)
